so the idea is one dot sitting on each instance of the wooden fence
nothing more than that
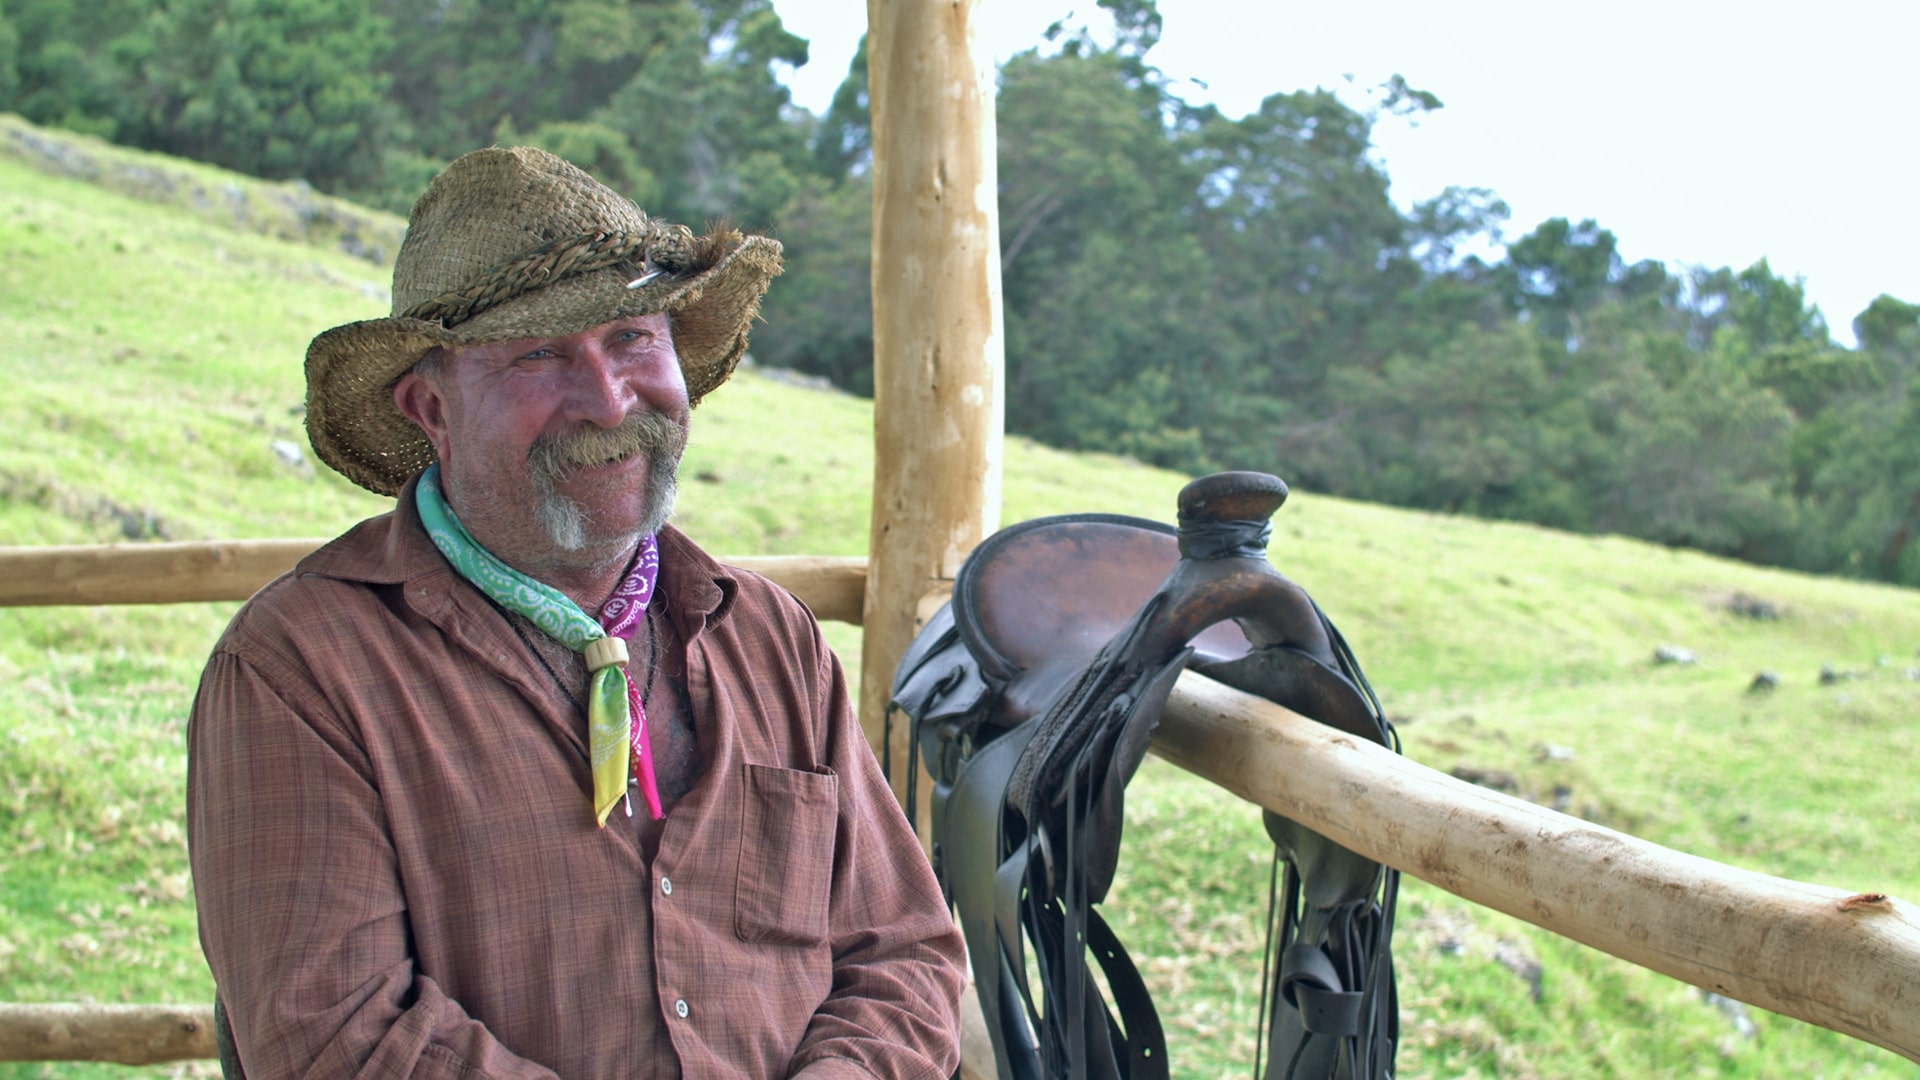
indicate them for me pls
(1845, 961)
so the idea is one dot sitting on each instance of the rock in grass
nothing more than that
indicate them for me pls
(1734, 1011)
(1748, 606)
(291, 456)
(1830, 675)
(1674, 654)
(1497, 779)
(1762, 682)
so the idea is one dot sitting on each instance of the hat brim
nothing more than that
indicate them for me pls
(355, 427)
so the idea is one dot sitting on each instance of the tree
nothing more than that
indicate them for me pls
(1444, 288)
(72, 60)
(1305, 259)
(1101, 270)
(1889, 331)
(742, 117)
(706, 115)
(819, 318)
(687, 86)
(463, 69)
(602, 152)
(9, 57)
(1456, 218)
(1560, 271)
(1136, 25)
(1694, 453)
(1864, 487)
(1476, 427)
(1866, 494)
(276, 88)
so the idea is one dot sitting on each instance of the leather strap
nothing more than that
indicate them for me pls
(1309, 982)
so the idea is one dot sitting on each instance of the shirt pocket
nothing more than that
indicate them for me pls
(788, 826)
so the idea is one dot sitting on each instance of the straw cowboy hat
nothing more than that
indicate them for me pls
(516, 243)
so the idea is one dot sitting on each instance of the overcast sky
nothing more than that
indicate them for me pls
(1700, 132)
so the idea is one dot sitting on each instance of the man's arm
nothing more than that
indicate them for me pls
(898, 963)
(302, 914)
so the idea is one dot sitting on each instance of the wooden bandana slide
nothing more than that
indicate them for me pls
(1033, 696)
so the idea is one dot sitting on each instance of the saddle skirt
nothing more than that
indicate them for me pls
(1032, 698)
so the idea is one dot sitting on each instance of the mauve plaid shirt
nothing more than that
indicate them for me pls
(398, 875)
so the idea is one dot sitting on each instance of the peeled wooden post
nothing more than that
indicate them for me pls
(938, 360)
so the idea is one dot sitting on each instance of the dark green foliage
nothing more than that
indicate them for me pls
(72, 61)
(276, 88)
(466, 71)
(602, 151)
(9, 57)
(820, 316)
(1307, 258)
(1100, 270)
(1863, 477)
(675, 102)
(1560, 272)
(1467, 429)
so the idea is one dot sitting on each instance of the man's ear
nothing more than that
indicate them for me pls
(421, 400)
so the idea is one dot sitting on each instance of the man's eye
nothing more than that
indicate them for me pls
(538, 354)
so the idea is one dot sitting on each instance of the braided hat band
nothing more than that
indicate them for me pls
(663, 250)
(515, 243)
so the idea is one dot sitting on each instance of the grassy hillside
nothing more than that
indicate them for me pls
(150, 349)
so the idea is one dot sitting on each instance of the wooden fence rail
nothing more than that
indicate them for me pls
(1842, 960)
(125, 1034)
(1845, 961)
(834, 587)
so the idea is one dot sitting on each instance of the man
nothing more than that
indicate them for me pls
(516, 781)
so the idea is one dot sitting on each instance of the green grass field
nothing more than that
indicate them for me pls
(150, 349)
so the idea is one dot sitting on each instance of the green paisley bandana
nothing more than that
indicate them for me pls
(616, 723)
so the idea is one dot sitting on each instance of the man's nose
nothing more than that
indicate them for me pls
(601, 390)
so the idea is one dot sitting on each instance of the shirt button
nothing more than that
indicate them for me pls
(680, 1008)
(666, 885)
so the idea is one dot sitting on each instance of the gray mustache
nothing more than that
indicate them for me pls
(657, 435)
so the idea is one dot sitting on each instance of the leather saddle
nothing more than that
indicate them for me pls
(1032, 698)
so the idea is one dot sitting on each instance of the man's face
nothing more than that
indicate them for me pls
(557, 450)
